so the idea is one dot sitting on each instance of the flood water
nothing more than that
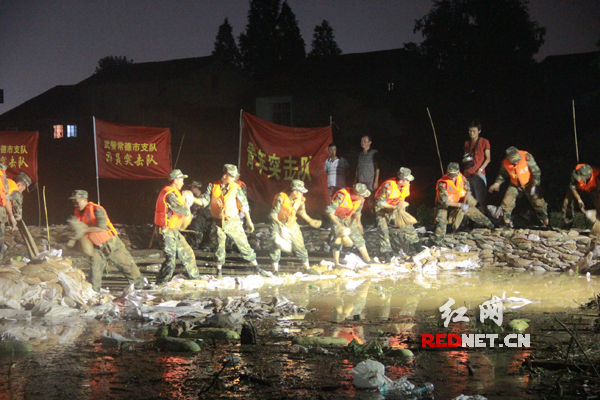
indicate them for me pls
(72, 363)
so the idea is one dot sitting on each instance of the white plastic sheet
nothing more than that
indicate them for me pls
(369, 374)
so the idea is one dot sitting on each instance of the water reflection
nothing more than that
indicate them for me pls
(337, 300)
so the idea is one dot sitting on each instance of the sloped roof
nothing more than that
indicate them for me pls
(571, 62)
(151, 71)
(57, 101)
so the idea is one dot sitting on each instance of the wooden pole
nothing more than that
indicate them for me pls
(37, 189)
(96, 155)
(436, 141)
(240, 144)
(575, 130)
(46, 210)
(179, 152)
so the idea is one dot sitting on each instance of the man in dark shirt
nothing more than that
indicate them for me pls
(367, 171)
(476, 158)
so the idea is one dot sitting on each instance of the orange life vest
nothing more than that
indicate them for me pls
(12, 186)
(592, 183)
(163, 216)
(3, 189)
(347, 207)
(397, 194)
(88, 216)
(289, 207)
(519, 174)
(229, 208)
(455, 191)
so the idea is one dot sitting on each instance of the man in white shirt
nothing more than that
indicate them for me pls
(335, 168)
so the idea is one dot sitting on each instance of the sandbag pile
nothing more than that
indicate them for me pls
(526, 250)
(48, 286)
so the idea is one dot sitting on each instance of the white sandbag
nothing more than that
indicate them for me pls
(11, 293)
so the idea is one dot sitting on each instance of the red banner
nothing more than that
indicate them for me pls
(274, 155)
(18, 151)
(132, 152)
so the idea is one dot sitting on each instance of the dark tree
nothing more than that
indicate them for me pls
(259, 44)
(225, 47)
(324, 43)
(289, 39)
(480, 35)
(111, 61)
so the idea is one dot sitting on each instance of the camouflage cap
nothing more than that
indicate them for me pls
(78, 194)
(230, 169)
(453, 170)
(512, 153)
(298, 185)
(197, 184)
(361, 190)
(176, 173)
(22, 177)
(584, 172)
(405, 174)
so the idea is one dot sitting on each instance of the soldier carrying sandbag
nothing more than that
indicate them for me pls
(285, 231)
(453, 201)
(171, 213)
(585, 179)
(345, 211)
(390, 207)
(100, 240)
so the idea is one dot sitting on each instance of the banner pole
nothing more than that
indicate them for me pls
(575, 130)
(96, 156)
(37, 186)
(436, 142)
(179, 152)
(240, 145)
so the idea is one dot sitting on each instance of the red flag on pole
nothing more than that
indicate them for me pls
(132, 152)
(18, 151)
(273, 155)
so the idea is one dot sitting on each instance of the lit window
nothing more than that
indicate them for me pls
(71, 130)
(58, 131)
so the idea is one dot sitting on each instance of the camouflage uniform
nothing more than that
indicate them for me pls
(296, 238)
(202, 224)
(405, 235)
(3, 221)
(446, 213)
(232, 227)
(3, 212)
(176, 246)
(355, 234)
(584, 175)
(115, 251)
(514, 192)
(16, 199)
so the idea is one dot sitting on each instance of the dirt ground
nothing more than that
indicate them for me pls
(393, 312)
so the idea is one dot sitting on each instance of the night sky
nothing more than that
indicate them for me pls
(49, 43)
